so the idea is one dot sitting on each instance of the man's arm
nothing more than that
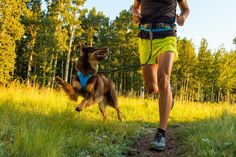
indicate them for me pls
(183, 5)
(136, 11)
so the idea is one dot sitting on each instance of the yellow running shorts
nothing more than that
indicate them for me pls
(159, 46)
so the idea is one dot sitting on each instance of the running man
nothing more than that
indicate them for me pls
(159, 17)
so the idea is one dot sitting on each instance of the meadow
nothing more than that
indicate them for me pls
(43, 123)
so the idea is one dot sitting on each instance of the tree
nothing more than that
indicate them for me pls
(11, 30)
(184, 70)
(32, 25)
(91, 24)
(124, 49)
(70, 11)
(216, 70)
(204, 71)
(227, 77)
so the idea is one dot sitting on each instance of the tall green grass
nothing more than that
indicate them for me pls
(43, 122)
(212, 137)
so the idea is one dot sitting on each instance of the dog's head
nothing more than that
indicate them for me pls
(90, 57)
(95, 54)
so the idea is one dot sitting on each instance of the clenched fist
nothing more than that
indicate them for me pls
(180, 19)
(136, 15)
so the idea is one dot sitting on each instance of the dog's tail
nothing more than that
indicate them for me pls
(67, 88)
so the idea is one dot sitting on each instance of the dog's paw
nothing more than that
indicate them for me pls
(78, 109)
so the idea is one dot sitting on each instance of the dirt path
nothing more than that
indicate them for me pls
(142, 146)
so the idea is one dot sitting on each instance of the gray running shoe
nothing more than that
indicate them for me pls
(159, 142)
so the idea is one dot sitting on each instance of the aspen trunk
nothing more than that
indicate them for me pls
(68, 55)
(29, 68)
(54, 69)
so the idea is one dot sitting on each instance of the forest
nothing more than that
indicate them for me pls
(37, 44)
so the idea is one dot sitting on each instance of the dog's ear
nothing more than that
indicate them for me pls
(87, 49)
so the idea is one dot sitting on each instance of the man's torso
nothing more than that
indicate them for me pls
(158, 11)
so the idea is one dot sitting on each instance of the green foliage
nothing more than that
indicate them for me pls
(183, 77)
(11, 30)
(52, 40)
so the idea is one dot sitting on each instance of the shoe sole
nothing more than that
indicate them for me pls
(157, 148)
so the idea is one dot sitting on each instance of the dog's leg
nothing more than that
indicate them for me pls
(81, 106)
(118, 113)
(91, 88)
(87, 102)
(113, 102)
(77, 86)
(67, 88)
(98, 88)
(102, 108)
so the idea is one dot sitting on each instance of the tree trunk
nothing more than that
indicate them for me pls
(54, 69)
(228, 96)
(29, 67)
(219, 95)
(49, 75)
(68, 55)
(91, 43)
(199, 92)
(62, 67)
(30, 62)
(71, 71)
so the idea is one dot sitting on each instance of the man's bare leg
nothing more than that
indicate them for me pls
(149, 72)
(165, 63)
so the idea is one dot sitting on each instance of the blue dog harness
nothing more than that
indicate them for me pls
(83, 79)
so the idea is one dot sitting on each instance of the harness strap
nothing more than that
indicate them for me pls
(134, 66)
(83, 79)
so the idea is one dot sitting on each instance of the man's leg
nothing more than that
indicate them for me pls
(149, 72)
(165, 63)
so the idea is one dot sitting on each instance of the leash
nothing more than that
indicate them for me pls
(133, 66)
(150, 30)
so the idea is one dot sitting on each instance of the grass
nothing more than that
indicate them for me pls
(212, 137)
(43, 122)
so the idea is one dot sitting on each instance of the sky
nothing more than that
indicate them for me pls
(214, 20)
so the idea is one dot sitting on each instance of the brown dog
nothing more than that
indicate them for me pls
(86, 82)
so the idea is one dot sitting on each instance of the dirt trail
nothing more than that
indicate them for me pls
(142, 146)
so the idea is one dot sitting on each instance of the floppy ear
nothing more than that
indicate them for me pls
(83, 50)
(87, 49)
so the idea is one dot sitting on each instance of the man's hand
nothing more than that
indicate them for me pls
(136, 15)
(180, 20)
(184, 12)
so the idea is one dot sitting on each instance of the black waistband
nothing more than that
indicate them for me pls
(170, 30)
(157, 25)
